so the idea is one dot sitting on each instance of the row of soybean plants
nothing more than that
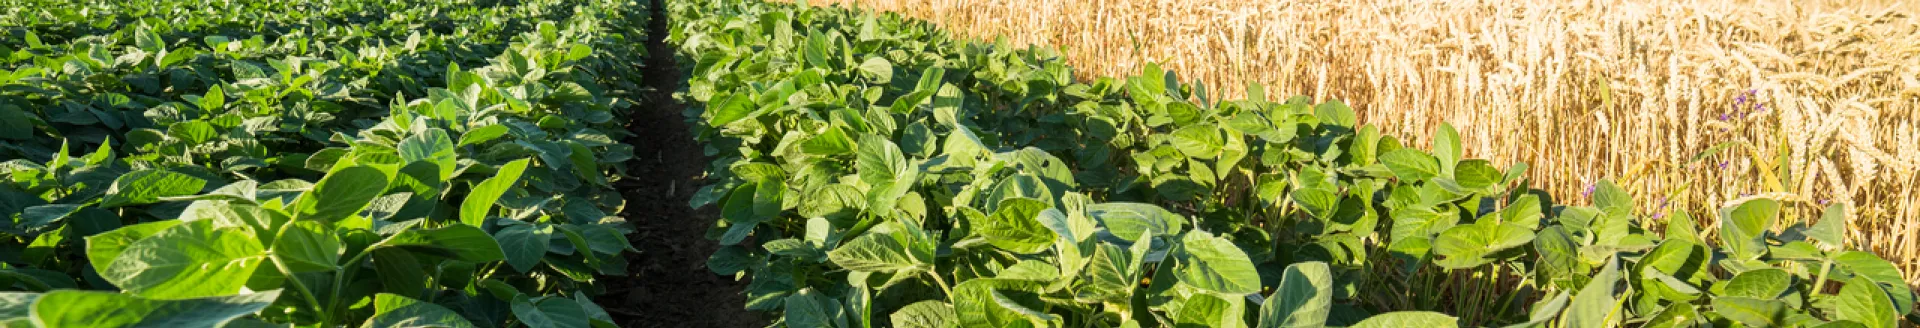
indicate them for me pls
(872, 171)
(315, 163)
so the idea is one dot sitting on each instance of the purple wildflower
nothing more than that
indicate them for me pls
(1589, 192)
(1658, 215)
(1723, 117)
(1723, 165)
(1741, 100)
(1823, 202)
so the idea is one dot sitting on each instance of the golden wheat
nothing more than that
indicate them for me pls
(1582, 90)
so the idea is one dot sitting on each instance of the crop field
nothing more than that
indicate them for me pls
(725, 163)
(1692, 102)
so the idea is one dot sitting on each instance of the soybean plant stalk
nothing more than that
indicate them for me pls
(346, 274)
(325, 311)
(942, 282)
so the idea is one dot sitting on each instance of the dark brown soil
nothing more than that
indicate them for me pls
(669, 285)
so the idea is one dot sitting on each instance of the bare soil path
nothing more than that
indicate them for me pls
(669, 285)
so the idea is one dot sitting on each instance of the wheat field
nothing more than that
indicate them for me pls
(1688, 104)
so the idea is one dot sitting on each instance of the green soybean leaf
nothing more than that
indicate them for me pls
(1199, 141)
(1752, 312)
(880, 161)
(1421, 319)
(1215, 264)
(1410, 164)
(557, 312)
(1126, 220)
(187, 261)
(341, 194)
(473, 210)
(1207, 310)
(75, 308)
(1594, 305)
(193, 132)
(1303, 299)
(1763, 284)
(818, 50)
(1015, 227)
(431, 146)
(148, 186)
(925, 314)
(104, 247)
(1446, 148)
(307, 246)
(482, 135)
(1832, 228)
(1611, 199)
(808, 308)
(401, 312)
(1743, 227)
(462, 242)
(873, 252)
(15, 124)
(878, 69)
(525, 244)
(1862, 300)
(1474, 244)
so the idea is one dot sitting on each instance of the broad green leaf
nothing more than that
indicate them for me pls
(1862, 300)
(1335, 112)
(307, 246)
(1446, 148)
(341, 194)
(1763, 284)
(1207, 310)
(1865, 264)
(1594, 305)
(15, 124)
(1303, 299)
(473, 210)
(148, 186)
(555, 312)
(925, 314)
(104, 247)
(984, 303)
(1474, 244)
(1410, 164)
(818, 51)
(193, 132)
(1743, 227)
(75, 308)
(1420, 319)
(833, 141)
(878, 69)
(401, 312)
(482, 135)
(1832, 228)
(1215, 264)
(187, 261)
(1199, 141)
(462, 242)
(1124, 220)
(431, 146)
(873, 252)
(1752, 312)
(808, 308)
(880, 161)
(1015, 227)
(525, 244)
(1476, 175)
(1611, 199)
